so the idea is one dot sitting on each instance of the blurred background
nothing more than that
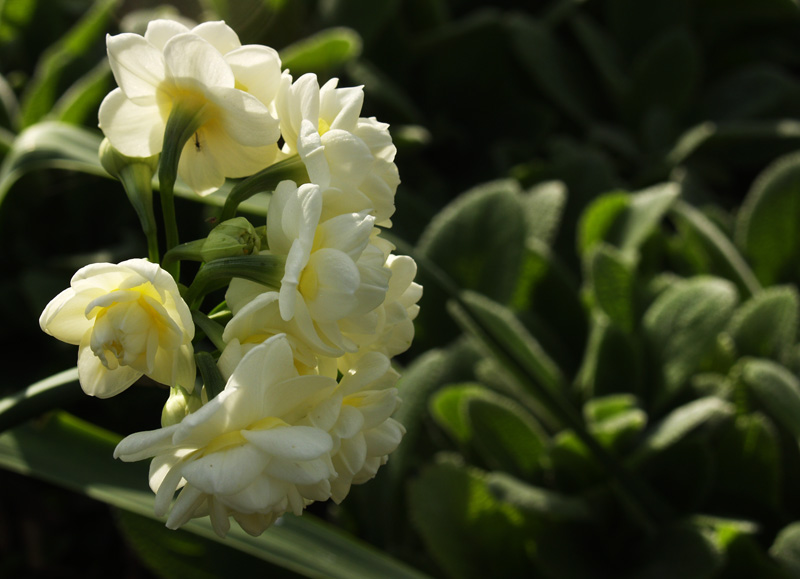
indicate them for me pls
(526, 132)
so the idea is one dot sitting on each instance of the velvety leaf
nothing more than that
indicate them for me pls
(610, 279)
(477, 241)
(506, 339)
(678, 424)
(777, 389)
(679, 551)
(682, 326)
(786, 549)
(541, 501)
(505, 435)
(615, 420)
(723, 257)
(464, 527)
(447, 409)
(748, 465)
(612, 361)
(598, 219)
(766, 225)
(322, 53)
(544, 206)
(765, 326)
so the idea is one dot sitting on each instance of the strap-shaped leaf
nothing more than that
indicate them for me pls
(79, 456)
(323, 53)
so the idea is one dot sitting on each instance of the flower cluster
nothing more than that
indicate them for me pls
(294, 404)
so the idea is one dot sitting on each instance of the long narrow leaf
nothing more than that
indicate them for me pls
(69, 452)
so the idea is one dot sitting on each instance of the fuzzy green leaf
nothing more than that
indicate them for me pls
(682, 326)
(777, 389)
(766, 325)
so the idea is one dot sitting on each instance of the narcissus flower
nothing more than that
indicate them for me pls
(128, 320)
(332, 271)
(350, 157)
(257, 450)
(204, 71)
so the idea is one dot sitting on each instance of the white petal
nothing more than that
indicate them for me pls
(64, 317)
(160, 31)
(329, 283)
(226, 472)
(185, 506)
(137, 65)
(237, 160)
(299, 473)
(350, 422)
(219, 35)
(257, 70)
(291, 442)
(140, 445)
(348, 157)
(192, 60)
(134, 130)
(243, 117)
(97, 380)
(200, 170)
(384, 439)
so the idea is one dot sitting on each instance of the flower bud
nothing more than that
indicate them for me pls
(231, 238)
(179, 405)
(114, 162)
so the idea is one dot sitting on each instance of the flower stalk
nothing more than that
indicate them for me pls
(265, 269)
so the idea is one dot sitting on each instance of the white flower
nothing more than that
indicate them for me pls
(332, 271)
(365, 434)
(350, 157)
(389, 329)
(257, 450)
(128, 320)
(204, 68)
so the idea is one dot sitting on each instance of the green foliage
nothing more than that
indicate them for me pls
(602, 199)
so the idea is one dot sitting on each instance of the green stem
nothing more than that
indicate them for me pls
(210, 328)
(136, 179)
(191, 250)
(212, 379)
(265, 180)
(265, 269)
(184, 120)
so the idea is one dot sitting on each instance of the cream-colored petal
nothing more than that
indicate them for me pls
(200, 170)
(243, 117)
(257, 70)
(160, 31)
(298, 443)
(97, 380)
(137, 65)
(227, 471)
(193, 62)
(219, 35)
(134, 130)
(64, 316)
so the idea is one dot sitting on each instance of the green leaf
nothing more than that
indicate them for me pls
(69, 452)
(681, 327)
(452, 507)
(625, 220)
(765, 326)
(84, 96)
(322, 53)
(786, 549)
(550, 65)
(679, 550)
(506, 339)
(705, 412)
(723, 255)
(366, 17)
(777, 389)
(610, 278)
(38, 398)
(608, 407)
(506, 436)
(540, 501)
(766, 225)
(477, 241)
(615, 420)
(748, 464)
(56, 145)
(42, 91)
(447, 409)
(544, 206)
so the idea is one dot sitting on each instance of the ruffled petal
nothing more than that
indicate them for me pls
(191, 59)
(138, 66)
(134, 130)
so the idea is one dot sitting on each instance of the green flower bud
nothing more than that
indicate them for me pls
(231, 238)
(114, 162)
(179, 405)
